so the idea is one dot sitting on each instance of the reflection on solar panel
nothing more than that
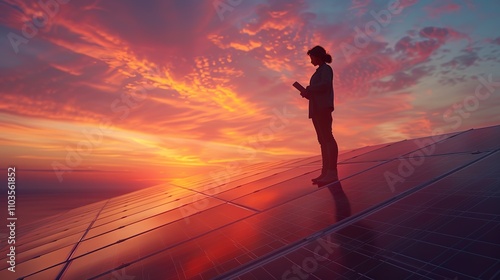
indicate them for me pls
(425, 208)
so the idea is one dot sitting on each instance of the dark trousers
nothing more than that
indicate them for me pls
(329, 150)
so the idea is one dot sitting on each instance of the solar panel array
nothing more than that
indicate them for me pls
(425, 208)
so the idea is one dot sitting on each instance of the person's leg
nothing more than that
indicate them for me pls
(325, 159)
(334, 154)
(332, 151)
(333, 148)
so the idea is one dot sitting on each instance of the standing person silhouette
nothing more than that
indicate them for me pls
(320, 96)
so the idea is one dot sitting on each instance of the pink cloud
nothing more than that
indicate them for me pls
(440, 9)
(360, 7)
(212, 84)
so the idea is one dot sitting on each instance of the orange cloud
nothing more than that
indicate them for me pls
(186, 91)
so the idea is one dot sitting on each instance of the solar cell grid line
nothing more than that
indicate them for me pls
(66, 226)
(369, 175)
(352, 155)
(222, 177)
(153, 193)
(33, 241)
(150, 191)
(182, 254)
(356, 217)
(166, 217)
(356, 152)
(41, 263)
(58, 229)
(298, 161)
(170, 193)
(89, 235)
(391, 255)
(125, 199)
(132, 209)
(228, 202)
(28, 229)
(343, 155)
(35, 250)
(440, 257)
(294, 163)
(28, 244)
(174, 195)
(474, 156)
(406, 199)
(139, 205)
(291, 188)
(441, 182)
(80, 212)
(76, 246)
(144, 211)
(195, 182)
(165, 237)
(50, 227)
(454, 145)
(47, 247)
(123, 202)
(63, 222)
(268, 178)
(135, 194)
(325, 225)
(49, 273)
(141, 225)
(212, 180)
(265, 182)
(404, 147)
(346, 155)
(126, 203)
(45, 261)
(444, 222)
(217, 185)
(157, 200)
(482, 140)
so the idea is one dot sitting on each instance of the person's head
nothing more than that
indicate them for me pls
(319, 56)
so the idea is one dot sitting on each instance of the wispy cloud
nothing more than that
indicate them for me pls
(186, 91)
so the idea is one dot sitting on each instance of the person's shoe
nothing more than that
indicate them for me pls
(323, 174)
(315, 180)
(331, 176)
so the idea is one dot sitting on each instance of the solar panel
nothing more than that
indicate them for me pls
(447, 230)
(292, 188)
(396, 212)
(397, 149)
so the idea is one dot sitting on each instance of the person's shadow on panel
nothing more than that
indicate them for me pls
(357, 249)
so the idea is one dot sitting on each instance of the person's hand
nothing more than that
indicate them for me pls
(305, 94)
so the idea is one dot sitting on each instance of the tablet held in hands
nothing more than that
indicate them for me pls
(298, 86)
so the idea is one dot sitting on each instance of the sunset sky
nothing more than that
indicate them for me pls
(125, 94)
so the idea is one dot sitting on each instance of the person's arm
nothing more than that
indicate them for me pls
(302, 90)
(305, 94)
(324, 84)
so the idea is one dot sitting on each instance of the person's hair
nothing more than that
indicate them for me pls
(320, 52)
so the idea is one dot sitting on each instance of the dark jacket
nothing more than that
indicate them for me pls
(320, 91)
